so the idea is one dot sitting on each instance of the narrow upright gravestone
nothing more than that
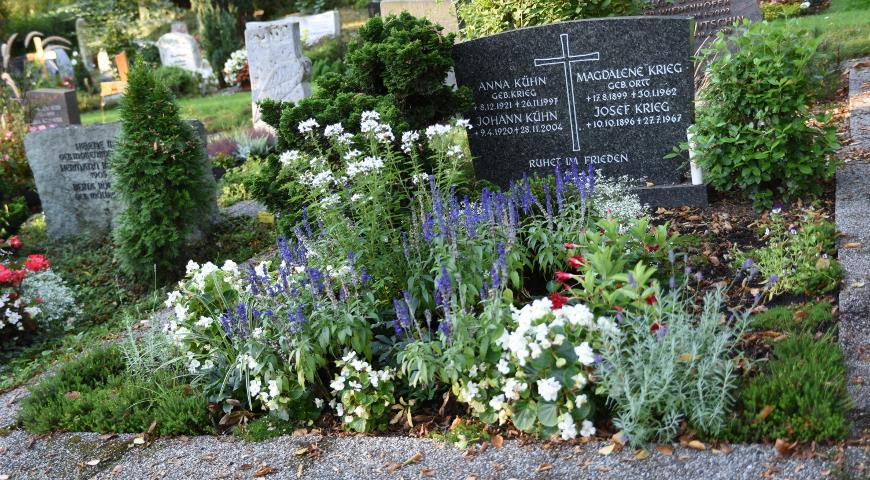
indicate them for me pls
(276, 65)
(614, 93)
(53, 107)
(182, 50)
(71, 168)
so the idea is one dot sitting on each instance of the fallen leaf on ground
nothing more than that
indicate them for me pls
(427, 472)
(641, 454)
(301, 451)
(544, 467)
(117, 470)
(414, 459)
(138, 441)
(299, 471)
(497, 441)
(107, 436)
(246, 466)
(665, 449)
(853, 245)
(784, 447)
(857, 285)
(607, 450)
(767, 410)
(697, 445)
(393, 466)
(93, 463)
(265, 470)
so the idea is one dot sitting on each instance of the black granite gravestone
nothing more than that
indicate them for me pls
(53, 107)
(616, 93)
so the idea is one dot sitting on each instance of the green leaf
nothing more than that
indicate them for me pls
(548, 414)
(525, 414)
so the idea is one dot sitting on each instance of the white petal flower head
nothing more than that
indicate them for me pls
(420, 179)
(580, 380)
(289, 157)
(318, 402)
(171, 299)
(497, 402)
(608, 326)
(230, 267)
(549, 388)
(337, 384)
(333, 130)
(352, 154)
(254, 387)
(348, 356)
(436, 130)
(584, 354)
(181, 312)
(409, 140)
(203, 322)
(587, 429)
(191, 267)
(308, 126)
(503, 367)
(463, 123)
(576, 315)
(567, 427)
(274, 391)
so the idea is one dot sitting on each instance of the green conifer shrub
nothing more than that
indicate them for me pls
(161, 179)
(219, 34)
(397, 67)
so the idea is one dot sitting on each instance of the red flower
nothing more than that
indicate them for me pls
(651, 299)
(12, 277)
(563, 276)
(655, 327)
(558, 300)
(652, 248)
(618, 308)
(35, 263)
(15, 242)
(576, 261)
(570, 245)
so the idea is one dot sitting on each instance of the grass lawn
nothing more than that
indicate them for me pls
(845, 27)
(218, 112)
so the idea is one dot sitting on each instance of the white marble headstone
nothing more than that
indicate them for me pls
(277, 67)
(182, 50)
(313, 28)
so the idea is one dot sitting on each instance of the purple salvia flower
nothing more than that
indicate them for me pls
(631, 280)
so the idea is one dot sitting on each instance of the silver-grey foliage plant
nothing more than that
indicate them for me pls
(683, 368)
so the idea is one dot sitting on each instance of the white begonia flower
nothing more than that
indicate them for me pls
(559, 339)
(348, 418)
(230, 267)
(333, 130)
(318, 402)
(208, 365)
(805, 5)
(360, 411)
(549, 388)
(581, 399)
(576, 315)
(274, 391)
(203, 322)
(289, 157)
(469, 392)
(254, 387)
(497, 402)
(191, 267)
(535, 349)
(567, 427)
(337, 384)
(308, 126)
(173, 297)
(587, 429)
(584, 354)
(503, 366)
(193, 366)
(348, 357)
(355, 385)
(359, 365)
(513, 388)
(580, 380)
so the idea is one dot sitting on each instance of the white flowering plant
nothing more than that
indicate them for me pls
(236, 64)
(58, 304)
(20, 310)
(363, 397)
(544, 379)
(262, 335)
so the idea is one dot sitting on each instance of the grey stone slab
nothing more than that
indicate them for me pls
(71, 168)
(859, 102)
(615, 93)
(711, 16)
(53, 107)
(671, 196)
(182, 50)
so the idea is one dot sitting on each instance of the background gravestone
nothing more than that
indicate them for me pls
(313, 28)
(615, 93)
(53, 107)
(178, 27)
(71, 168)
(711, 16)
(442, 12)
(182, 50)
(276, 65)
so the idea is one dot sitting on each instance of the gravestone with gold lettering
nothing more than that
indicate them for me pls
(71, 168)
(615, 93)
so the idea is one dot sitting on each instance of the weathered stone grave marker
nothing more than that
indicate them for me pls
(314, 28)
(71, 168)
(276, 65)
(614, 93)
(442, 12)
(182, 50)
(53, 107)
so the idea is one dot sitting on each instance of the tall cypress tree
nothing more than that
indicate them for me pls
(160, 179)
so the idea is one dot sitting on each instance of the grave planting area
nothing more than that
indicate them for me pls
(424, 239)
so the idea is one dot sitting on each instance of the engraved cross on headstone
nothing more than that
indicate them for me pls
(566, 60)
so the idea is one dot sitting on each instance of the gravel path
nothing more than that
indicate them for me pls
(852, 207)
(87, 456)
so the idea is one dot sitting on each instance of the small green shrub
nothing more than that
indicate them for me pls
(160, 179)
(266, 428)
(148, 53)
(181, 82)
(773, 11)
(755, 132)
(219, 34)
(797, 258)
(800, 395)
(488, 17)
(794, 319)
(95, 393)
